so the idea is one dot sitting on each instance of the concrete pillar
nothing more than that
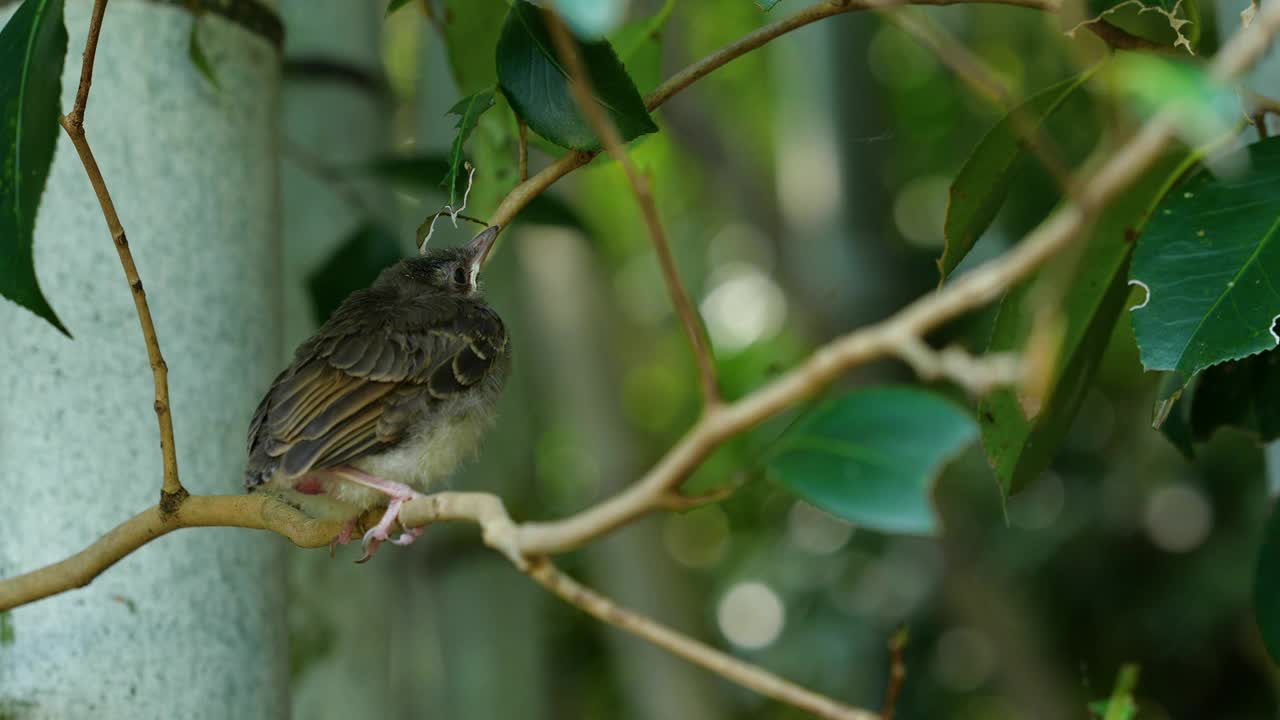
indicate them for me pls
(192, 625)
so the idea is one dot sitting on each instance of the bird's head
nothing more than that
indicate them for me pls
(449, 271)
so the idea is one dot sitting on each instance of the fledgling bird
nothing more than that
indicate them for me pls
(388, 397)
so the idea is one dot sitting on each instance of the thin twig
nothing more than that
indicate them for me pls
(722, 664)
(608, 133)
(171, 493)
(897, 673)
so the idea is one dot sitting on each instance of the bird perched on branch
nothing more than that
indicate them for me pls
(388, 397)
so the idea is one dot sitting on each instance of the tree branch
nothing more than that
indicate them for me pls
(171, 493)
(609, 136)
(722, 664)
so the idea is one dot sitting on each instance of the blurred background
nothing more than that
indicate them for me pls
(804, 188)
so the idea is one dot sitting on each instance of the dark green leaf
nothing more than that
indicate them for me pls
(537, 85)
(1266, 587)
(983, 183)
(411, 172)
(1207, 263)
(871, 456)
(468, 109)
(1021, 441)
(471, 29)
(395, 5)
(1244, 394)
(639, 46)
(1173, 411)
(1175, 22)
(33, 45)
(354, 265)
(195, 52)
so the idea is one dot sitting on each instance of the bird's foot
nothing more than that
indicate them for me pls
(380, 533)
(343, 537)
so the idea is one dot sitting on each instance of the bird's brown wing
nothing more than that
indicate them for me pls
(356, 390)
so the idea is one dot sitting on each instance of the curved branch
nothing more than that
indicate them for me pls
(247, 511)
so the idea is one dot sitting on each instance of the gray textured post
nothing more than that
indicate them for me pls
(191, 626)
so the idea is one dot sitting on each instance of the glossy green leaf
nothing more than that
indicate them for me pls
(639, 47)
(983, 182)
(591, 19)
(537, 84)
(1210, 265)
(471, 29)
(197, 56)
(1022, 435)
(1266, 587)
(871, 456)
(367, 251)
(395, 5)
(468, 109)
(33, 45)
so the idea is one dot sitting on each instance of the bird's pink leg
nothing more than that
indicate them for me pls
(399, 494)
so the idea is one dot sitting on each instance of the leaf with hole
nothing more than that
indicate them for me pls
(983, 182)
(536, 83)
(1021, 434)
(1210, 265)
(468, 109)
(33, 45)
(871, 456)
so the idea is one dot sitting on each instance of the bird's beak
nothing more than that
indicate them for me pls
(479, 247)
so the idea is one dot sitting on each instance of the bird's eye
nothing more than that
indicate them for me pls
(460, 276)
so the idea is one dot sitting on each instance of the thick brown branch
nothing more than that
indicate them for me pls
(608, 133)
(247, 511)
(172, 492)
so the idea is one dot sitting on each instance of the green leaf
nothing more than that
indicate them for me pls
(767, 5)
(639, 47)
(468, 109)
(367, 251)
(1121, 705)
(1266, 587)
(411, 172)
(471, 29)
(395, 5)
(983, 183)
(195, 52)
(1161, 21)
(591, 19)
(1207, 263)
(1244, 394)
(537, 85)
(871, 456)
(1021, 441)
(1202, 108)
(33, 45)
